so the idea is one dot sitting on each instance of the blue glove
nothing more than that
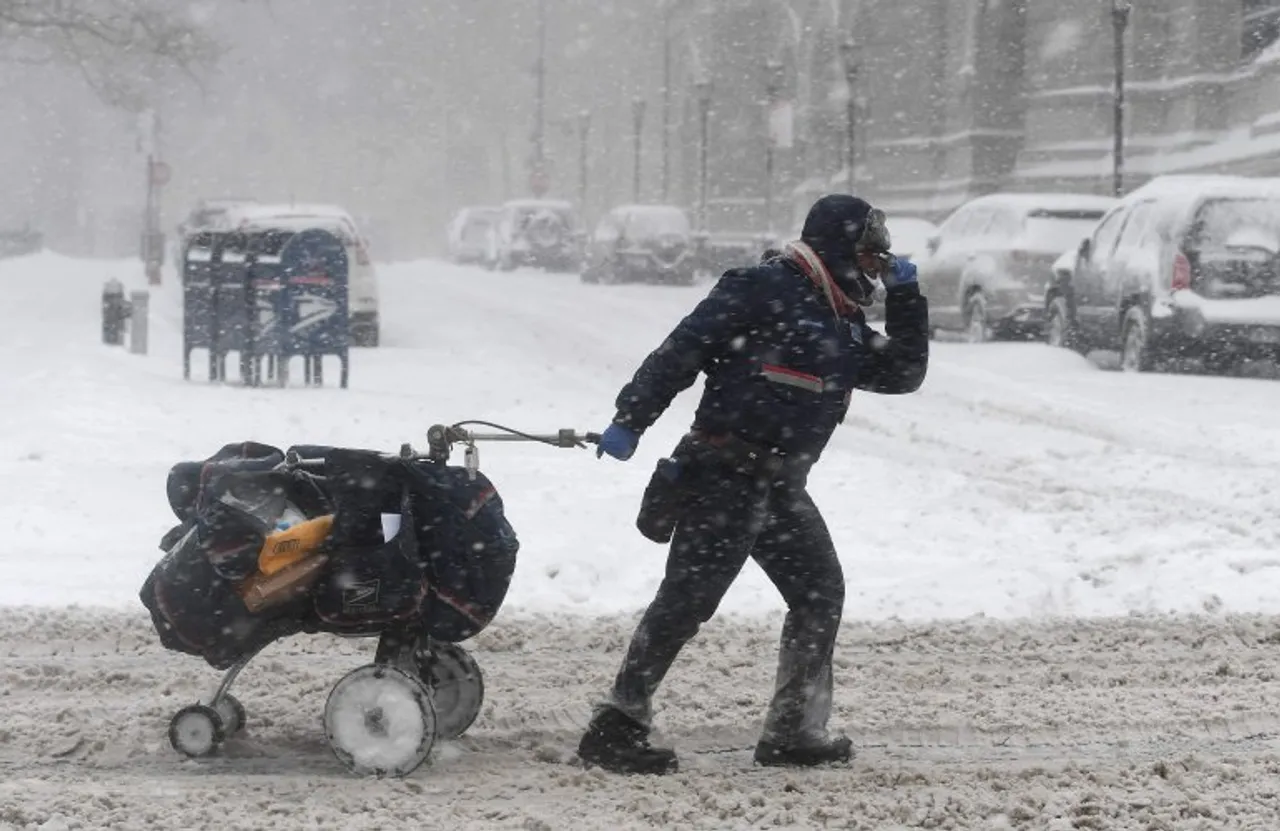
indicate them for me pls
(618, 441)
(902, 273)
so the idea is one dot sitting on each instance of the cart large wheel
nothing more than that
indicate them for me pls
(379, 721)
(232, 713)
(457, 687)
(196, 731)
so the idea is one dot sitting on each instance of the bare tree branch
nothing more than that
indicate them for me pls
(119, 47)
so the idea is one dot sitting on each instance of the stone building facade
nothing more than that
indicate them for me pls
(957, 98)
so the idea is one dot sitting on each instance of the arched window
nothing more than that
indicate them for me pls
(1260, 26)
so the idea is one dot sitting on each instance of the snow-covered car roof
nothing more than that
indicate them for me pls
(478, 210)
(535, 204)
(271, 211)
(291, 217)
(486, 213)
(651, 221)
(1191, 188)
(909, 235)
(1025, 202)
(1178, 196)
(225, 201)
(659, 210)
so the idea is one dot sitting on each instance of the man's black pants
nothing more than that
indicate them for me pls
(732, 516)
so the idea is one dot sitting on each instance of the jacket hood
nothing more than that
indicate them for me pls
(832, 228)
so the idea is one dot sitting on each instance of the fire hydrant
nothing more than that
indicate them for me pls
(115, 312)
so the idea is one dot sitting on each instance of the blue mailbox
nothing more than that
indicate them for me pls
(312, 305)
(268, 295)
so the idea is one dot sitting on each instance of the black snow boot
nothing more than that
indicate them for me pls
(835, 750)
(620, 744)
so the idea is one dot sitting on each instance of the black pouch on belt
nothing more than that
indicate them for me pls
(664, 500)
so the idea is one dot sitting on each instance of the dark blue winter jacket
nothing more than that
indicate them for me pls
(780, 366)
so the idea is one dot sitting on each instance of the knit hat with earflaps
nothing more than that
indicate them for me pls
(835, 225)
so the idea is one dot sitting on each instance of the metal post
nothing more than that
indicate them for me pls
(1120, 10)
(138, 303)
(637, 112)
(540, 70)
(772, 82)
(148, 211)
(848, 52)
(506, 165)
(152, 241)
(584, 130)
(113, 312)
(666, 100)
(703, 88)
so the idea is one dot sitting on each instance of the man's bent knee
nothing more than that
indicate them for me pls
(680, 613)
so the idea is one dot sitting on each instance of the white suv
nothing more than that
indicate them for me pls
(362, 279)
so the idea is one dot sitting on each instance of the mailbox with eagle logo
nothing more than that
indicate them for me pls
(313, 307)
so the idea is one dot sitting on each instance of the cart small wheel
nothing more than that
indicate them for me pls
(379, 720)
(457, 687)
(232, 713)
(196, 731)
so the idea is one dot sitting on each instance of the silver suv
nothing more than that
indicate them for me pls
(1185, 266)
(988, 266)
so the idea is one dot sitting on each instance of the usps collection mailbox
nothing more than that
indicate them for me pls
(269, 296)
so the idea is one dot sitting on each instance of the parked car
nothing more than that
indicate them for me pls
(471, 234)
(18, 242)
(542, 233)
(910, 235)
(649, 243)
(988, 266)
(362, 279)
(722, 250)
(1184, 266)
(209, 214)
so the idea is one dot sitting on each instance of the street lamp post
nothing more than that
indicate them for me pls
(157, 176)
(666, 99)
(538, 177)
(848, 53)
(703, 90)
(1120, 10)
(584, 130)
(772, 83)
(637, 114)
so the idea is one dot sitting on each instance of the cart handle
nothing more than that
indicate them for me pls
(442, 437)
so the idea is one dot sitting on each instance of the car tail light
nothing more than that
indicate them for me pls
(1181, 272)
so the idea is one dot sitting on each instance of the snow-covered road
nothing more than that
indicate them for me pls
(1020, 480)
(1110, 725)
(998, 531)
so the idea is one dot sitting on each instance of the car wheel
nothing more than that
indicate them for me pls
(1135, 342)
(1060, 330)
(364, 336)
(977, 329)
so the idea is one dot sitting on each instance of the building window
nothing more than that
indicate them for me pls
(1260, 26)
